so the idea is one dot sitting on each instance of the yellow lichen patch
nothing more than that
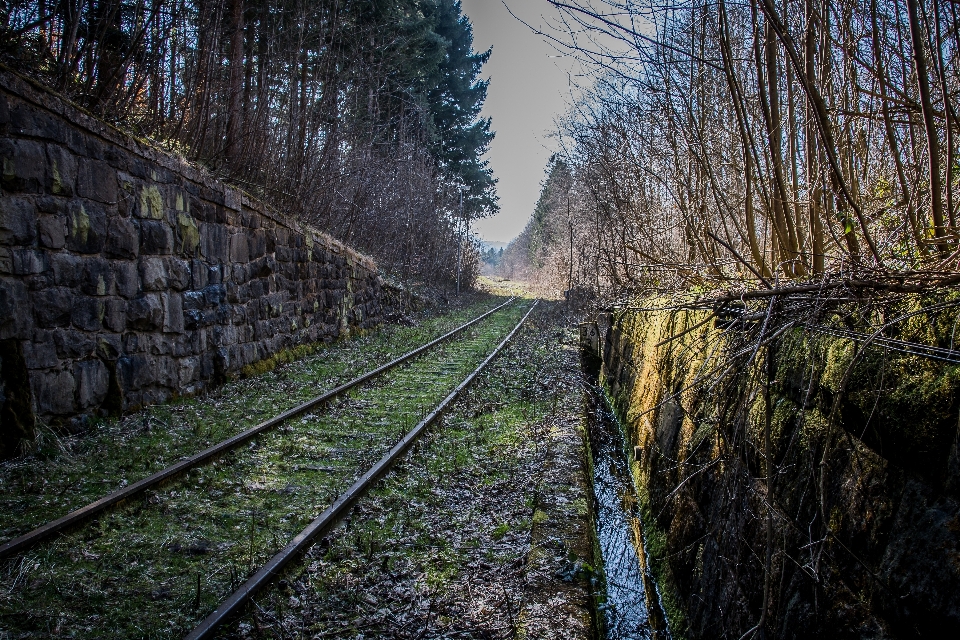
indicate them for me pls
(151, 202)
(80, 224)
(189, 234)
(57, 187)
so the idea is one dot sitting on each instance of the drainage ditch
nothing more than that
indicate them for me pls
(630, 605)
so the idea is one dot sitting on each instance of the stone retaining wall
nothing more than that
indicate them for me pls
(863, 497)
(128, 276)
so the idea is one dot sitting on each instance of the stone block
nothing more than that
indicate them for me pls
(115, 316)
(194, 300)
(192, 319)
(24, 166)
(188, 235)
(73, 344)
(239, 272)
(18, 220)
(87, 227)
(92, 380)
(153, 274)
(97, 277)
(27, 262)
(233, 293)
(87, 313)
(188, 370)
(127, 194)
(40, 353)
(247, 354)
(283, 254)
(97, 180)
(221, 363)
(127, 277)
(123, 238)
(53, 392)
(168, 372)
(269, 267)
(150, 204)
(215, 294)
(31, 122)
(52, 307)
(156, 237)
(67, 269)
(15, 317)
(109, 346)
(172, 312)
(52, 205)
(216, 315)
(257, 244)
(131, 343)
(214, 242)
(215, 274)
(134, 372)
(238, 248)
(231, 199)
(228, 335)
(62, 177)
(145, 312)
(178, 273)
(53, 231)
(6, 260)
(200, 275)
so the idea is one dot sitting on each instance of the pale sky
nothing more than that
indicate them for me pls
(529, 88)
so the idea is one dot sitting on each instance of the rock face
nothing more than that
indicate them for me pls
(863, 495)
(128, 276)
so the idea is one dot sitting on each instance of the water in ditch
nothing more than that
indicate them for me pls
(632, 608)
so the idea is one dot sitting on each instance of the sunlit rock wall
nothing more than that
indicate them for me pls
(864, 499)
(128, 276)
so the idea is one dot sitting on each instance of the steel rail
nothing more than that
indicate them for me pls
(336, 511)
(77, 516)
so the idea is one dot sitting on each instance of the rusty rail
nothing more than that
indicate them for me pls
(73, 518)
(336, 511)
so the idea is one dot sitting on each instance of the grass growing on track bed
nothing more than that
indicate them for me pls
(64, 473)
(441, 547)
(157, 565)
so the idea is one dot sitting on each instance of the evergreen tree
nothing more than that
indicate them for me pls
(455, 97)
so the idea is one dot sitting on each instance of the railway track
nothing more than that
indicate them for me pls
(173, 546)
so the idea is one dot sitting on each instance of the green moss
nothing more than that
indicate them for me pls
(283, 357)
(136, 568)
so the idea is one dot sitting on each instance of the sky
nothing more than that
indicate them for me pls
(529, 88)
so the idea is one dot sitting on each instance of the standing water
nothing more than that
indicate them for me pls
(632, 609)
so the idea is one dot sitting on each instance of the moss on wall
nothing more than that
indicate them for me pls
(852, 430)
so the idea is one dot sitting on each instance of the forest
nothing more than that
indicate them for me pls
(358, 116)
(753, 143)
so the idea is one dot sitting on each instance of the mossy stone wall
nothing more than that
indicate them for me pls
(128, 275)
(865, 494)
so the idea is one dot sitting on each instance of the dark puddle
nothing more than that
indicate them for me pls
(632, 609)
